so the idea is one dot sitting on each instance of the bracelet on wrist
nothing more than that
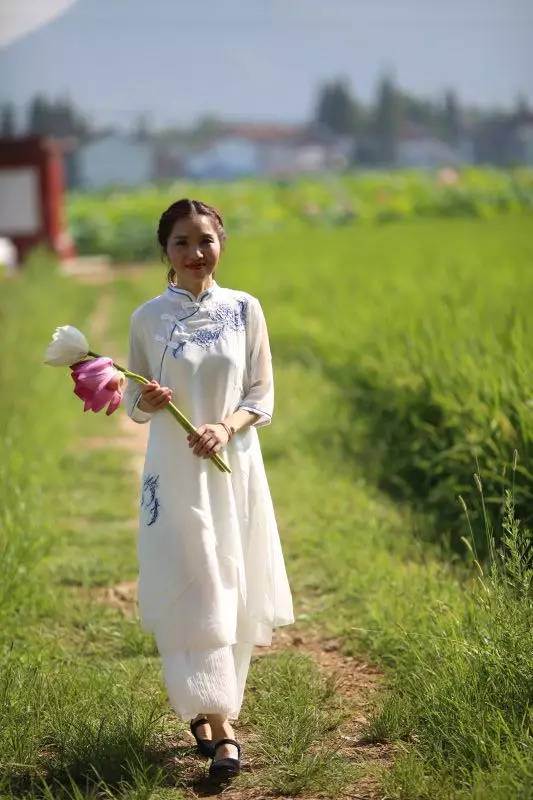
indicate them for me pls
(230, 430)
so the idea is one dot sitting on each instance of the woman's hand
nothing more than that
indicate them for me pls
(154, 396)
(209, 439)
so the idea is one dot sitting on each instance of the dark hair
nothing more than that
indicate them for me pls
(187, 208)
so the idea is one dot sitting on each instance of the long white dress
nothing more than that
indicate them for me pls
(212, 577)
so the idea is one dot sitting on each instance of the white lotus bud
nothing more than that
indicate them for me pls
(68, 346)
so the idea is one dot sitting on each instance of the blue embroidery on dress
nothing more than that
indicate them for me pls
(149, 499)
(225, 317)
(229, 316)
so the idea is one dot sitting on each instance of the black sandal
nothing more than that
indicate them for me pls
(205, 746)
(225, 768)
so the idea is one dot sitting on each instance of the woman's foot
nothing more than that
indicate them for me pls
(203, 730)
(224, 768)
(225, 751)
(221, 729)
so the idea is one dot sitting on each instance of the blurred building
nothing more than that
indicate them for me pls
(283, 151)
(420, 149)
(234, 151)
(169, 160)
(507, 141)
(229, 157)
(415, 145)
(269, 151)
(113, 160)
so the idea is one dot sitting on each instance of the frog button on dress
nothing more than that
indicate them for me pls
(212, 577)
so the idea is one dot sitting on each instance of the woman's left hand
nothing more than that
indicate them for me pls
(209, 439)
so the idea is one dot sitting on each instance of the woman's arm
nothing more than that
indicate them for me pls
(258, 399)
(241, 418)
(137, 362)
(257, 404)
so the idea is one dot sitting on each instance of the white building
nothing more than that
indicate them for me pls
(114, 160)
(244, 150)
(267, 152)
(427, 151)
(231, 157)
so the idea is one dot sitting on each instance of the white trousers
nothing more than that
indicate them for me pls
(207, 681)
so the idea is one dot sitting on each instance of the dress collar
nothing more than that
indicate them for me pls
(177, 293)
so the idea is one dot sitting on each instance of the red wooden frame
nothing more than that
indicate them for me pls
(44, 155)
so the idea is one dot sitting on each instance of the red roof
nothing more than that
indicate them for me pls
(263, 132)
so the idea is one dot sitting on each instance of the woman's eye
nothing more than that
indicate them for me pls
(204, 241)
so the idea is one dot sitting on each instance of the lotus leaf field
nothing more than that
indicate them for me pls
(121, 223)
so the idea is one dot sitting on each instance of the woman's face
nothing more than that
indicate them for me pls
(193, 247)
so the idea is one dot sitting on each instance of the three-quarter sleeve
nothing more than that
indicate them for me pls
(137, 362)
(259, 384)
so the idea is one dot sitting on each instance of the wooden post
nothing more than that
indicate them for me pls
(31, 195)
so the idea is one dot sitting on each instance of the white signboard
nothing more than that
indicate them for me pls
(20, 213)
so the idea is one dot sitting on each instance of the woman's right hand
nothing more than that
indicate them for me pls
(154, 396)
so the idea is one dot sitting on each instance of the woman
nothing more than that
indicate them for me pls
(212, 578)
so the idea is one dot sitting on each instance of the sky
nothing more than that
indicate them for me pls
(263, 60)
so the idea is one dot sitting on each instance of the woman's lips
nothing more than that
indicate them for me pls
(194, 266)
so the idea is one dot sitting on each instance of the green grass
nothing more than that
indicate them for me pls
(398, 352)
(293, 710)
(424, 329)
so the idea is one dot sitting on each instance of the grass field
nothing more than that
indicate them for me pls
(403, 366)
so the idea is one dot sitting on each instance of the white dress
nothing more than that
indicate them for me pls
(212, 577)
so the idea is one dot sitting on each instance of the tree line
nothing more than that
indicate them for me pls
(376, 128)
(44, 117)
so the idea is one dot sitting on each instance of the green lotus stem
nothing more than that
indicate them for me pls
(181, 418)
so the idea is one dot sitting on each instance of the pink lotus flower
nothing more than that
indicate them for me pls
(447, 176)
(98, 383)
(98, 380)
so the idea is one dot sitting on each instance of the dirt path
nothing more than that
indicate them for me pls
(356, 680)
